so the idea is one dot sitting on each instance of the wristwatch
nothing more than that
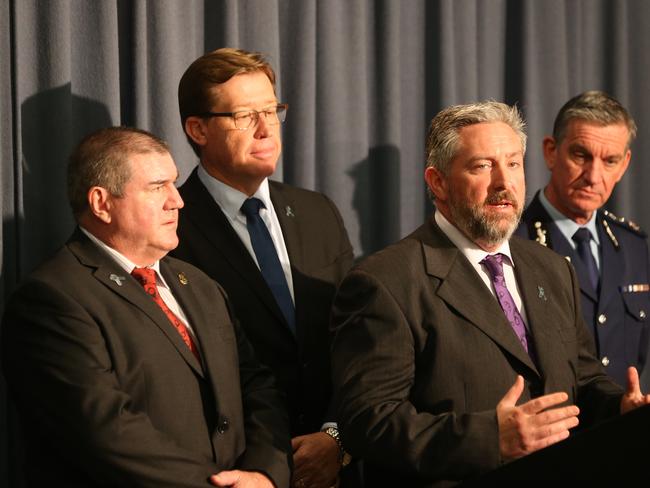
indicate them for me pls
(344, 457)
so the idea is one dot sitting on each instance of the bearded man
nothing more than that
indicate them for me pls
(460, 348)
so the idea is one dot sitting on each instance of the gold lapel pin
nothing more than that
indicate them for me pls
(289, 211)
(182, 278)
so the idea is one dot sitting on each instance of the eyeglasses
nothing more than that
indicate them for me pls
(245, 119)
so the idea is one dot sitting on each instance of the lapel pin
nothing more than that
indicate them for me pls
(540, 293)
(289, 211)
(182, 278)
(541, 233)
(117, 279)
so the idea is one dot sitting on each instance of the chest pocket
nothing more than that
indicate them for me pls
(637, 304)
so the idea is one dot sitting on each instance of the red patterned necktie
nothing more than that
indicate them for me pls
(147, 278)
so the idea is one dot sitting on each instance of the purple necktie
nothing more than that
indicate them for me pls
(494, 265)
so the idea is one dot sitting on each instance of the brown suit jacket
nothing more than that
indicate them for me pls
(423, 353)
(110, 395)
(320, 254)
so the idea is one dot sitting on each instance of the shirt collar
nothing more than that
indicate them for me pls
(471, 250)
(230, 199)
(567, 226)
(125, 263)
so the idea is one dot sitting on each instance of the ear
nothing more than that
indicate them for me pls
(99, 203)
(196, 130)
(549, 148)
(437, 183)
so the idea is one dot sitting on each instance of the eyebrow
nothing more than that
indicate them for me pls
(246, 107)
(509, 155)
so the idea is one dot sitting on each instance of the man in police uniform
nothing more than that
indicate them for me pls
(587, 155)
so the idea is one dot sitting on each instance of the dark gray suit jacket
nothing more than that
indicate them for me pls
(423, 353)
(320, 254)
(110, 395)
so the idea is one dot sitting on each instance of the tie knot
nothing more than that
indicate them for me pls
(582, 235)
(251, 207)
(494, 265)
(146, 276)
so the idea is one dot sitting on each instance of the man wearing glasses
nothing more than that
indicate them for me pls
(279, 251)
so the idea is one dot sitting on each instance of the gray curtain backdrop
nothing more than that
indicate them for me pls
(362, 79)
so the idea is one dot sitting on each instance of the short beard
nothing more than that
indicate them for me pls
(481, 227)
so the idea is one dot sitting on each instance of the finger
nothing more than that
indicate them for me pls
(538, 404)
(550, 440)
(551, 429)
(513, 394)
(555, 415)
(225, 478)
(633, 387)
(296, 442)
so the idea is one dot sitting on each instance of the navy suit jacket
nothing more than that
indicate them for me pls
(320, 253)
(617, 313)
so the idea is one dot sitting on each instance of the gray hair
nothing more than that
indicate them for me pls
(100, 160)
(593, 106)
(443, 136)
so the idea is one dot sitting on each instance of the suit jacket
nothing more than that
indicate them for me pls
(110, 395)
(617, 313)
(423, 353)
(320, 253)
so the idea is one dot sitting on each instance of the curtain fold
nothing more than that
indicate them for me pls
(362, 78)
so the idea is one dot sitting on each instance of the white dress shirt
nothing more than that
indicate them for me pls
(230, 201)
(128, 266)
(568, 227)
(475, 255)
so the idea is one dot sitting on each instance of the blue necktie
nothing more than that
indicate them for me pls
(582, 238)
(267, 258)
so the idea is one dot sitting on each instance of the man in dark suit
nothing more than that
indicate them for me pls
(128, 368)
(458, 348)
(587, 155)
(280, 264)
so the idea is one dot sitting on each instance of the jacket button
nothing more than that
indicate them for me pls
(223, 426)
(605, 361)
(602, 318)
(641, 314)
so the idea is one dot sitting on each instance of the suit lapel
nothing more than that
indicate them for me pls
(612, 265)
(289, 215)
(535, 294)
(559, 243)
(459, 281)
(124, 285)
(216, 228)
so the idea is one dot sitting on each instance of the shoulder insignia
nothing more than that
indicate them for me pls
(623, 222)
(610, 234)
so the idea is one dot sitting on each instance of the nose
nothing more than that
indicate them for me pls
(262, 128)
(174, 200)
(593, 171)
(500, 179)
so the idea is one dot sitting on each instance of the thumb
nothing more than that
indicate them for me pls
(633, 387)
(513, 394)
(225, 478)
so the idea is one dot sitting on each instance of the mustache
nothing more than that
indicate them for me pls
(500, 197)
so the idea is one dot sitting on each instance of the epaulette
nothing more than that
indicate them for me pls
(625, 223)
